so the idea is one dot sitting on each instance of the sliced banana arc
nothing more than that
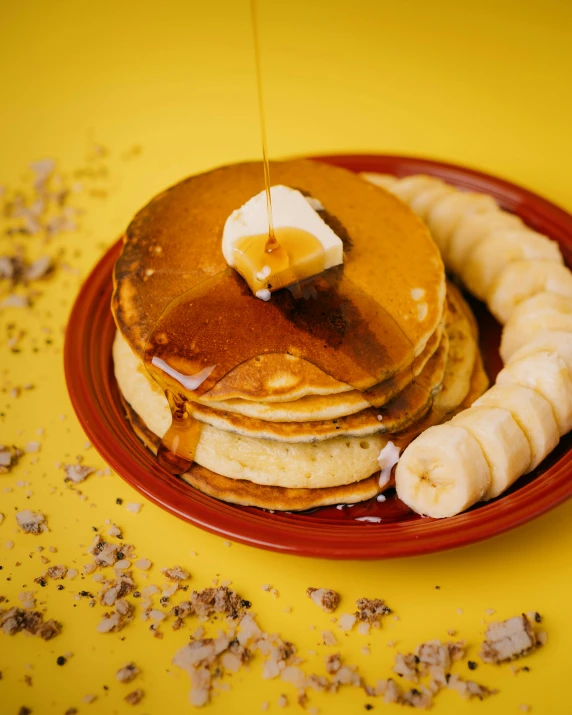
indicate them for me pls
(442, 472)
(518, 422)
(547, 374)
(503, 442)
(532, 413)
(520, 280)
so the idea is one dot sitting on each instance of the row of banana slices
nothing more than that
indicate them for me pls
(510, 429)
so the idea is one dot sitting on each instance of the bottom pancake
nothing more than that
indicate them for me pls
(245, 493)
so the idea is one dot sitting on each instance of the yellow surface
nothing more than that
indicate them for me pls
(485, 84)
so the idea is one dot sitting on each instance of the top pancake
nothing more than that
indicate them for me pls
(174, 244)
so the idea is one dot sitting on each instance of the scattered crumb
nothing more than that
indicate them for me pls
(371, 611)
(32, 447)
(116, 620)
(9, 457)
(77, 473)
(134, 507)
(510, 639)
(135, 697)
(329, 638)
(31, 522)
(346, 621)
(176, 573)
(468, 688)
(19, 619)
(143, 564)
(325, 598)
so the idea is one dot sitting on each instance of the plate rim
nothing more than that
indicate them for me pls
(101, 418)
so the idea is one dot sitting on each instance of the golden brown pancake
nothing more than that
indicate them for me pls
(246, 493)
(173, 245)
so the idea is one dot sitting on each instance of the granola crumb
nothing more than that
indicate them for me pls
(346, 621)
(31, 522)
(9, 456)
(77, 473)
(176, 573)
(19, 619)
(135, 697)
(114, 531)
(328, 638)
(28, 600)
(134, 507)
(510, 639)
(327, 599)
(116, 620)
(468, 688)
(57, 572)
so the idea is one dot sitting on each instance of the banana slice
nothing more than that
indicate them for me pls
(522, 279)
(411, 186)
(532, 413)
(544, 311)
(442, 472)
(545, 373)
(544, 303)
(500, 248)
(386, 181)
(426, 198)
(504, 445)
(553, 341)
(448, 211)
(472, 229)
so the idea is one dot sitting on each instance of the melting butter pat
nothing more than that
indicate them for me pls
(306, 244)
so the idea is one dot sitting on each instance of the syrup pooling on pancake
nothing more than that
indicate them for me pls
(220, 324)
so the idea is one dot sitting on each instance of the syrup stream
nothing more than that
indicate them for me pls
(272, 242)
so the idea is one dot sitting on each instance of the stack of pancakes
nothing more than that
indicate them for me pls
(278, 430)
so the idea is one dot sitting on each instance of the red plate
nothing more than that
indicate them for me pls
(328, 532)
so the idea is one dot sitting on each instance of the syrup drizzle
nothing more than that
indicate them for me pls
(272, 242)
(219, 324)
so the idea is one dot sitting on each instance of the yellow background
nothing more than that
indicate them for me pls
(486, 84)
